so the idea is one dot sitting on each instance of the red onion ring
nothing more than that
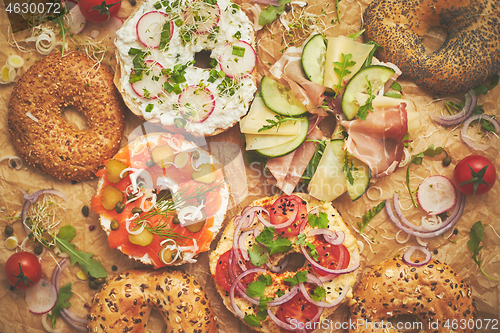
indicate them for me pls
(281, 225)
(242, 245)
(317, 281)
(73, 324)
(468, 140)
(470, 104)
(399, 213)
(409, 252)
(340, 264)
(236, 309)
(332, 237)
(447, 225)
(232, 270)
(327, 270)
(280, 267)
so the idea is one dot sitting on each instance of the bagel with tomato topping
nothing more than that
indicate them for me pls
(161, 199)
(433, 293)
(253, 272)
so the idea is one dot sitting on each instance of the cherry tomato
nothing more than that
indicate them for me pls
(222, 272)
(99, 11)
(23, 270)
(298, 312)
(283, 208)
(329, 256)
(474, 175)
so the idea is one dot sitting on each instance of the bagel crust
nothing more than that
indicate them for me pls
(432, 292)
(124, 303)
(37, 127)
(469, 55)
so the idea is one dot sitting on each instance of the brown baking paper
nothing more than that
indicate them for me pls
(378, 239)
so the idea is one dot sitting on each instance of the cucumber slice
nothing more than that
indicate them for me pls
(377, 75)
(313, 58)
(280, 98)
(290, 146)
(361, 172)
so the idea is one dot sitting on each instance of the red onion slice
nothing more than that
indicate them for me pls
(447, 225)
(332, 237)
(350, 269)
(242, 243)
(470, 104)
(317, 281)
(468, 140)
(280, 267)
(281, 225)
(409, 252)
(236, 309)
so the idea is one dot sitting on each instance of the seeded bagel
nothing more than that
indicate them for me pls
(469, 55)
(430, 292)
(124, 303)
(37, 127)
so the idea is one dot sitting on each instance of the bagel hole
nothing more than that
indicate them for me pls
(156, 323)
(434, 39)
(202, 59)
(75, 118)
(297, 260)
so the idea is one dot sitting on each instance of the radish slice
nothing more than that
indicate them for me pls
(202, 16)
(196, 103)
(42, 297)
(76, 19)
(150, 26)
(238, 59)
(436, 195)
(151, 85)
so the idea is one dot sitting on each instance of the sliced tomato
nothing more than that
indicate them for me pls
(283, 208)
(222, 271)
(329, 256)
(300, 310)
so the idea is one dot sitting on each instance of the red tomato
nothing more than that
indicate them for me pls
(298, 312)
(474, 175)
(99, 11)
(329, 257)
(222, 272)
(282, 210)
(23, 270)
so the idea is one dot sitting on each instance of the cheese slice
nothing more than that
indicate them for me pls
(343, 45)
(328, 182)
(256, 119)
(259, 141)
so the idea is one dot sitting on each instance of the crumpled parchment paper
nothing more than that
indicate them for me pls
(379, 238)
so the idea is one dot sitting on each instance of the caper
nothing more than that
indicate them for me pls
(85, 211)
(195, 154)
(38, 249)
(150, 163)
(115, 225)
(119, 207)
(99, 281)
(9, 230)
(130, 196)
(446, 161)
(93, 285)
(137, 210)
(176, 220)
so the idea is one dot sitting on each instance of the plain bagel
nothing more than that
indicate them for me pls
(430, 292)
(469, 55)
(37, 127)
(124, 303)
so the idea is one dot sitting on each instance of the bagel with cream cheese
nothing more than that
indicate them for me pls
(161, 48)
(260, 288)
(469, 55)
(433, 292)
(161, 199)
(124, 303)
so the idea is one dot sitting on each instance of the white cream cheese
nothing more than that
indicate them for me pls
(233, 24)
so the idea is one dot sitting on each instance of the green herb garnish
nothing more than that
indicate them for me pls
(319, 293)
(258, 256)
(271, 12)
(238, 51)
(313, 163)
(62, 303)
(276, 123)
(363, 109)
(297, 278)
(340, 68)
(320, 220)
(311, 250)
(476, 236)
(165, 36)
(369, 215)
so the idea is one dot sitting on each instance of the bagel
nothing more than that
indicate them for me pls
(434, 293)
(177, 89)
(297, 312)
(156, 182)
(40, 133)
(469, 55)
(124, 303)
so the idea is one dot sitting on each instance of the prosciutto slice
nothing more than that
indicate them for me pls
(287, 170)
(289, 69)
(378, 140)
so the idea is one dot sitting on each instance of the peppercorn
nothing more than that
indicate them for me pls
(114, 268)
(91, 227)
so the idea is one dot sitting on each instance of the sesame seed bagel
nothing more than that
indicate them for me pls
(334, 287)
(469, 55)
(432, 292)
(37, 127)
(124, 303)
